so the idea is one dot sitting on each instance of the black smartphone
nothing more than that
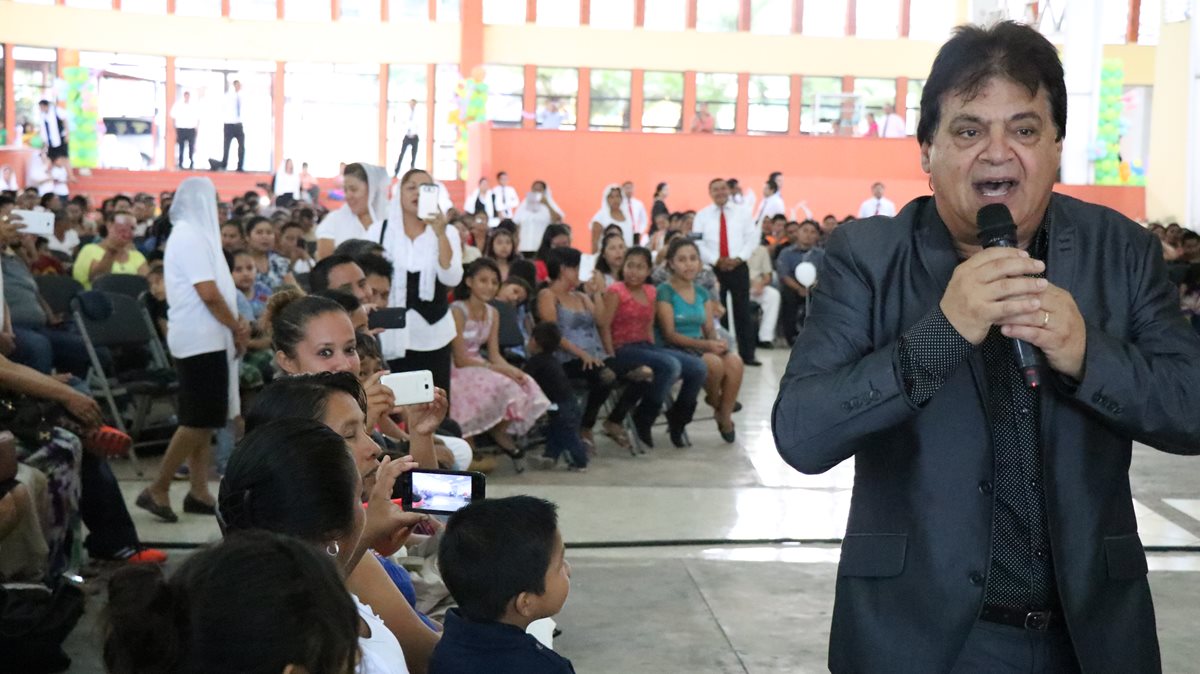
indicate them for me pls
(393, 318)
(440, 492)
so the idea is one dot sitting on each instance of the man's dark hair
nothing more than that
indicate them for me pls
(975, 55)
(376, 264)
(714, 181)
(43, 102)
(1189, 236)
(493, 550)
(348, 301)
(6, 200)
(774, 176)
(356, 248)
(318, 278)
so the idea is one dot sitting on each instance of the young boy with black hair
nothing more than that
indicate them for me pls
(503, 561)
(564, 419)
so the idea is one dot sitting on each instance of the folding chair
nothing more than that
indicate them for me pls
(127, 326)
(58, 291)
(130, 285)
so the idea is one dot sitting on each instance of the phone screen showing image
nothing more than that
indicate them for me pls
(437, 492)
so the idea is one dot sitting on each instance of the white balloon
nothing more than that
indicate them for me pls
(806, 274)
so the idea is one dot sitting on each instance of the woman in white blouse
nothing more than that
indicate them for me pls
(537, 212)
(482, 199)
(364, 212)
(611, 213)
(427, 255)
(287, 181)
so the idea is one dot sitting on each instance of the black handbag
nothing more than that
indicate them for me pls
(34, 622)
(29, 419)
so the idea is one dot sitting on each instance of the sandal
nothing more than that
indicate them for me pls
(108, 442)
(617, 434)
(640, 374)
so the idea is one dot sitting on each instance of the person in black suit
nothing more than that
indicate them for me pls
(992, 526)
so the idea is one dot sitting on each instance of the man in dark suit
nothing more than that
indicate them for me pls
(992, 526)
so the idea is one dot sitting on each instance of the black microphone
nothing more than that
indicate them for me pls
(996, 229)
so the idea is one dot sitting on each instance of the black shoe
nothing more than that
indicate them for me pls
(163, 512)
(766, 345)
(737, 407)
(677, 438)
(643, 433)
(729, 435)
(195, 506)
(753, 363)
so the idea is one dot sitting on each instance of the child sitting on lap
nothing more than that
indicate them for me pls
(504, 562)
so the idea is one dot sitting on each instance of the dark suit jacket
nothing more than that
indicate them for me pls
(912, 574)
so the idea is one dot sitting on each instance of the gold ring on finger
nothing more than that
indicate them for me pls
(1045, 318)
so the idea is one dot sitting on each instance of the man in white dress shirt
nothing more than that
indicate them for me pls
(892, 125)
(504, 197)
(635, 210)
(233, 126)
(411, 137)
(728, 239)
(53, 131)
(877, 204)
(186, 118)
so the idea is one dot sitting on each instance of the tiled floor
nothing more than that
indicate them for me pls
(753, 607)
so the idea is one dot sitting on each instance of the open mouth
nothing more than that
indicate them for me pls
(992, 189)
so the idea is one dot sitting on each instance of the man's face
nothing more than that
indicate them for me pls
(350, 277)
(381, 288)
(627, 188)
(502, 179)
(806, 236)
(998, 148)
(1191, 249)
(719, 192)
(829, 224)
(877, 191)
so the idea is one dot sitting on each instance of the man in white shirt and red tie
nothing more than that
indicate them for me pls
(505, 199)
(877, 204)
(728, 239)
(892, 125)
(635, 210)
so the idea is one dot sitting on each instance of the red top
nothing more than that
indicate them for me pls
(632, 321)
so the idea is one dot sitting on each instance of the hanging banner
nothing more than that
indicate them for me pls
(470, 106)
(82, 116)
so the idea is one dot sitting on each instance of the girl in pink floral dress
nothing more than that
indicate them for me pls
(490, 395)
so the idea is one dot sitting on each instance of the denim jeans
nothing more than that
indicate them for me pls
(668, 366)
(46, 348)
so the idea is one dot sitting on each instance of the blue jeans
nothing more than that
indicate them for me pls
(562, 434)
(45, 348)
(668, 366)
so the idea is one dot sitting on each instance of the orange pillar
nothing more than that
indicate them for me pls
(430, 109)
(901, 96)
(529, 100)
(798, 16)
(432, 10)
(384, 10)
(691, 14)
(170, 6)
(742, 117)
(279, 9)
(530, 11)
(277, 111)
(637, 99)
(383, 114)
(471, 50)
(585, 12)
(172, 155)
(689, 95)
(116, 5)
(905, 17)
(744, 16)
(1135, 19)
(795, 104)
(639, 13)
(583, 101)
(225, 8)
(851, 18)
(10, 99)
(847, 85)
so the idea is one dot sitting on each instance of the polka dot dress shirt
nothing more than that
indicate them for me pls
(1021, 573)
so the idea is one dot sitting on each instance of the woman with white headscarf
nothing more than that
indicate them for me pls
(536, 212)
(287, 181)
(364, 212)
(612, 212)
(205, 337)
(427, 255)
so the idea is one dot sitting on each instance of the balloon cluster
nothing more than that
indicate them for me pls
(82, 116)
(1106, 154)
(470, 106)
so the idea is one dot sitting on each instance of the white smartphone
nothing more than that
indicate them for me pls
(427, 202)
(587, 267)
(410, 388)
(37, 223)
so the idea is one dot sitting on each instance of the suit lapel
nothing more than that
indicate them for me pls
(1062, 248)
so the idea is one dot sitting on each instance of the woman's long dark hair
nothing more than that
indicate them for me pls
(602, 265)
(551, 232)
(489, 250)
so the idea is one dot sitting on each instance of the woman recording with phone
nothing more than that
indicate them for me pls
(420, 242)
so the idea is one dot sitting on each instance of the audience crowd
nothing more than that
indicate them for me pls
(268, 309)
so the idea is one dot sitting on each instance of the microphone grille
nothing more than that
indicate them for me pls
(995, 222)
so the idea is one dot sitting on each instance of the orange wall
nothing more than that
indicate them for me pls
(834, 175)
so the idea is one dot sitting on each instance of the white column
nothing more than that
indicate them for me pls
(1083, 50)
(1193, 128)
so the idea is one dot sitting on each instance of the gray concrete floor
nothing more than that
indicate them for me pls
(733, 608)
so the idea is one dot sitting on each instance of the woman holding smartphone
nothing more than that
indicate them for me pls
(430, 252)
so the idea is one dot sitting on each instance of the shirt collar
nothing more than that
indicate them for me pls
(483, 634)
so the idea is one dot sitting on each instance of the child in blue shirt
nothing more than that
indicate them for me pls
(503, 562)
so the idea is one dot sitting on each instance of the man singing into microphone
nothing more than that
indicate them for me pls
(992, 527)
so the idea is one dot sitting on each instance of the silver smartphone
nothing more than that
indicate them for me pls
(410, 388)
(37, 223)
(427, 202)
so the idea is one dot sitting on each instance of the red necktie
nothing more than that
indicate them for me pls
(724, 245)
(876, 207)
